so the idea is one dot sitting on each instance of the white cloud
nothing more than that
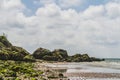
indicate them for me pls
(8, 12)
(11, 4)
(94, 11)
(113, 9)
(95, 30)
(48, 10)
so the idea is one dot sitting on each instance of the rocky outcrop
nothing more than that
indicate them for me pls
(41, 52)
(10, 52)
(62, 55)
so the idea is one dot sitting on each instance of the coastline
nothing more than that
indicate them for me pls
(60, 67)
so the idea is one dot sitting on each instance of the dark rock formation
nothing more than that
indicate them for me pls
(10, 52)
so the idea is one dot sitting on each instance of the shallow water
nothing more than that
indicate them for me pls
(89, 67)
(93, 67)
(102, 67)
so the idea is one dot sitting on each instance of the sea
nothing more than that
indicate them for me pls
(110, 65)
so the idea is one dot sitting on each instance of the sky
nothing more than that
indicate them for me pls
(78, 26)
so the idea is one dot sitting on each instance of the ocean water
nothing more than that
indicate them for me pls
(116, 60)
(110, 65)
(113, 62)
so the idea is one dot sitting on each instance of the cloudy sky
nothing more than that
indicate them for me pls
(79, 26)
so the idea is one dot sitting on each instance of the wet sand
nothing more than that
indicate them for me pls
(78, 75)
(93, 75)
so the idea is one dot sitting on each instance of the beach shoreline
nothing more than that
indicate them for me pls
(58, 67)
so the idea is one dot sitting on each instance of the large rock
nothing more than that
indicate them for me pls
(45, 54)
(41, 52)
(10, 52)
(60, 53)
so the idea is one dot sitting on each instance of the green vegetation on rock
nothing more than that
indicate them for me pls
(10, 52)
(62, 55)
(45, 54)
(4, 42)
(41, 52)
(17, 70)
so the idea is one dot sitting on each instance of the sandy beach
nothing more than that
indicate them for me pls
(94, 75)
(82, 71)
